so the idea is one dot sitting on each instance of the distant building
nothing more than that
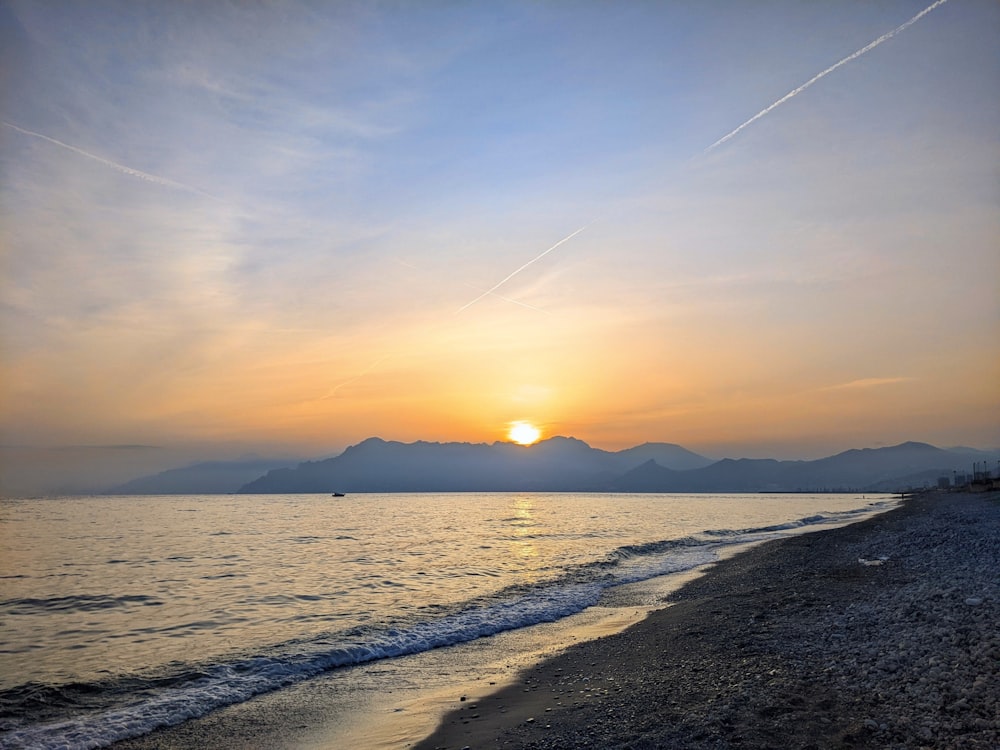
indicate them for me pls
(944, 483)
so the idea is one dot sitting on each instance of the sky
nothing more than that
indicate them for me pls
(279, 228)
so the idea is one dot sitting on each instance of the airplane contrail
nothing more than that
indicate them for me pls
(113, 164)
(516, 271)
(793, 93)
(372, 366)
(853, 56)
(511, 300)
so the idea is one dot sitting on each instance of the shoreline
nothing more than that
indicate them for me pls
(386, 705)
(793, 643)
(787, 643)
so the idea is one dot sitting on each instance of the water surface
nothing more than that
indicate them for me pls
(120, 614)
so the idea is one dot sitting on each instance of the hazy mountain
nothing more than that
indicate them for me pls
(872, 469)
(208, 478)
(647, 477)
(566, 464)
(377, 465)
(667, 455)
(975, 453)
(557, 464)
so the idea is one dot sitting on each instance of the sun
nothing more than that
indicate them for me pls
(523, 433)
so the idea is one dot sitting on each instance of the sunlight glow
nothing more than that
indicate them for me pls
(523, 433)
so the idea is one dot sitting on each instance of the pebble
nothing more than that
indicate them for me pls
(913, 645)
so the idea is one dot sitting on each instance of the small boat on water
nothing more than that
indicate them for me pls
(337, 494)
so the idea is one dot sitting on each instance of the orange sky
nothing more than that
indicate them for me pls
(221, 247)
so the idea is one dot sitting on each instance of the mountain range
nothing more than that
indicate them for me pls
(556, 465)
(205, 478)
(891, 469)
(562, 464)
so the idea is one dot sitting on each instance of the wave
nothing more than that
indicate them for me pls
(81, 603)
(93, 715)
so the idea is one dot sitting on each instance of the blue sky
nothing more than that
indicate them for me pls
(235, 227)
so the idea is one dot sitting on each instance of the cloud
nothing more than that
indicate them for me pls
(125, 447)
(345, 138)
(866, 383)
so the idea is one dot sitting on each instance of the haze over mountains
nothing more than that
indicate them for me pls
(563, 464)
(555, 465)
(207, 478)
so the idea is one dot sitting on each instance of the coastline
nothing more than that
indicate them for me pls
(793, 643)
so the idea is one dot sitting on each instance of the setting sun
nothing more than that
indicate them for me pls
(524, 433)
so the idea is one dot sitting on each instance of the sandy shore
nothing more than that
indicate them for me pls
(794, 644)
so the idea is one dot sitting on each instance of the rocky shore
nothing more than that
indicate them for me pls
(882, 634)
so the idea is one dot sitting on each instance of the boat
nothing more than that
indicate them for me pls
(337, 494)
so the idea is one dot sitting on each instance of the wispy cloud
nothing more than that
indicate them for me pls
(853, 56)
(866, 383)
(343, 137)
(156, 179)
(136, 447)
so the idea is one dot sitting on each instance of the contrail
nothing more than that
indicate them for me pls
(511, 300)
(372, 366)
(853, 56)
(514, 273)
(795, 92)
(113, 164)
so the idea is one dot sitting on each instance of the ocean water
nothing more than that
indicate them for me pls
(119, 615)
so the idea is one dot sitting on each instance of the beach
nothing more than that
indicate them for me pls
(881, 634)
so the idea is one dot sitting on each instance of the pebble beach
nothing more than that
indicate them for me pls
(881, 634)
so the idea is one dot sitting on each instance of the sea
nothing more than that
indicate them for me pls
(120, 615)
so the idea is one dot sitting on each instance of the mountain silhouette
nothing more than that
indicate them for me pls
(873, 469)
(668, 455)
(564, 464)
(558, 464)
(375, 465)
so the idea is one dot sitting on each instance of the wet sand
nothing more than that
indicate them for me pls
(807, 642)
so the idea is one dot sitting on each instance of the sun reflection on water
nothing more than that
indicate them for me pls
(523, 528)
